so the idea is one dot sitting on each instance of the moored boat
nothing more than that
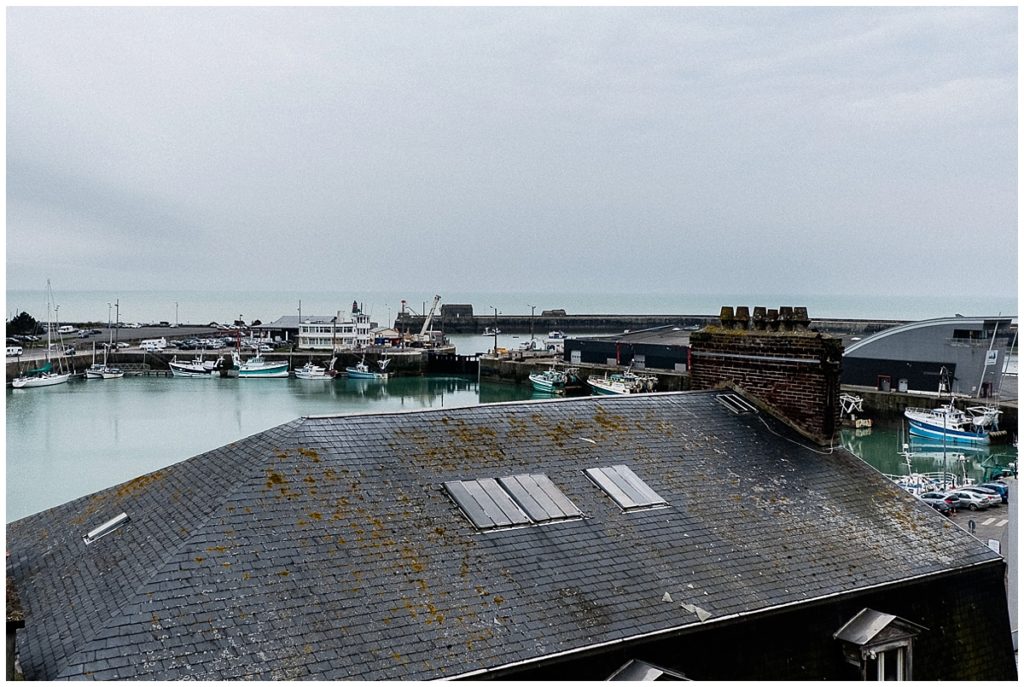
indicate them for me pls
(552, 381)
(978, 426)
(362, 371)
(258, 367)
(622, 383)
(45, 375)
(197, 367)
(312, 371)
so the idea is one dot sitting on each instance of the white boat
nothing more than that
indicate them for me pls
(555, 341)
(362, 371)
(197, 367)
(313, 371)
(625, 383)
(102, 370)
(258, 367)
(44, 375)
(976, 426)
(489, 331)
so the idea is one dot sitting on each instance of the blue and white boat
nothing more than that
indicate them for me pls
(552, 381)
(361, 371)
(976, 425)
(257, 367)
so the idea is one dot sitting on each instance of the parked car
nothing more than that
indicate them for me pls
(972, 500)
(948, 499)
(1001, 487)
(991, 495)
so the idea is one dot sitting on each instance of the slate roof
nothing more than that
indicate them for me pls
(327, 547)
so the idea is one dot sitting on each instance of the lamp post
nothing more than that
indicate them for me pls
(175, 313)
(532, 309)
(495, 331)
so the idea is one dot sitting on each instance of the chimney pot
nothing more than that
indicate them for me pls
(742, 317)
(726, 316)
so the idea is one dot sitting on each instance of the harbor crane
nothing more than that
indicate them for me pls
(429, 317)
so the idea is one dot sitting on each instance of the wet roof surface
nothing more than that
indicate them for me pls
(329, 547)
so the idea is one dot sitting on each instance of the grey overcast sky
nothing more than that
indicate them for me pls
(671, 149)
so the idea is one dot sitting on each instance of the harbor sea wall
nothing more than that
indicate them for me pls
(461, 320)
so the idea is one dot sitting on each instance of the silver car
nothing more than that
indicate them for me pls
(971, 500)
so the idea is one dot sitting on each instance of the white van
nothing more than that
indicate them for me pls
(14, 351)
(67, 329)
(153, 344)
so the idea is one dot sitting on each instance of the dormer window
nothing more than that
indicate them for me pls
(879, 644)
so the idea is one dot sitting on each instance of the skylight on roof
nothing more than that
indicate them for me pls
(510, 501)
(486, 504)
(735, 403)
(625, 488)
(540, 498)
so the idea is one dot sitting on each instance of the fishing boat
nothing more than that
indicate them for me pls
(622, 383)
(197, 367)
(257, 367)
(362, 371)
(552, 381)
(976, 425)
(45, 375)
(491, 331)
(555, 341)
(313, 371)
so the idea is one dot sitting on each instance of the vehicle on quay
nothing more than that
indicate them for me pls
(949, 499)
(15, 351)
(627, 382)
(362, 371)
(153, 344)
(971, 500)
(257, 367)
(991, 495)
(1001, 487)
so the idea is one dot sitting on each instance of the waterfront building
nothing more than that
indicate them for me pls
(557, 539)
(911, 357)
(325, 334)
(663, 348)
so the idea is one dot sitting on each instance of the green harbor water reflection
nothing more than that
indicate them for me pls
(884, 447)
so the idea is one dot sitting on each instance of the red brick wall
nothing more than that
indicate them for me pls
(794, 372)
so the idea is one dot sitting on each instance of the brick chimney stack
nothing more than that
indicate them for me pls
(776, 358)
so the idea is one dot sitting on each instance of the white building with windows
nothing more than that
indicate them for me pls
(322, 333)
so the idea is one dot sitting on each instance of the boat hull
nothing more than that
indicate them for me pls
(360, 374)
(920, 428)
(545, 383)
(40, 381)
(270, 372)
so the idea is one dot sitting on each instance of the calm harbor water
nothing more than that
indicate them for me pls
(73, 439)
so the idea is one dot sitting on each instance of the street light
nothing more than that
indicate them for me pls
(495, 330)
(175, 313)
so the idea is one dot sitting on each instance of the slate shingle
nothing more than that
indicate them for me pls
(327, 547)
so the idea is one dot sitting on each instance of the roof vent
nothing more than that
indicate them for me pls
(735, 404)
(106, 528)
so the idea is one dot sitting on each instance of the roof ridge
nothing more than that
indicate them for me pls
(132, 603)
